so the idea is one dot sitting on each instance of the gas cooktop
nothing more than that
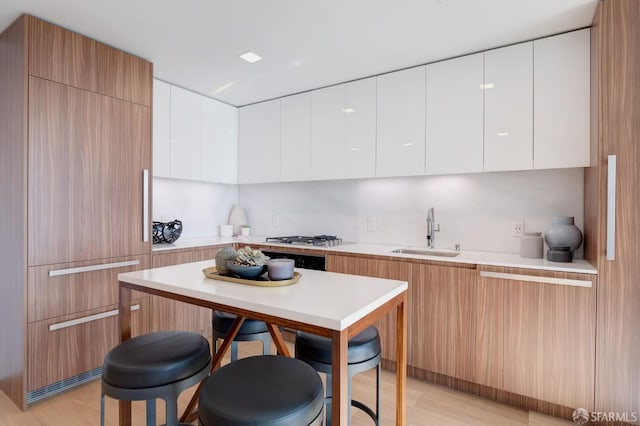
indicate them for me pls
(318, 240)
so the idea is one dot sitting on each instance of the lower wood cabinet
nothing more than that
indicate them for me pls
(537, 339)
(67, 288)
(381, 269)
(66, 346)
(442, 306)
(169, 314)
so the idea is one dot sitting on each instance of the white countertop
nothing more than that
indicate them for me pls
(511, 260)
(324, 299)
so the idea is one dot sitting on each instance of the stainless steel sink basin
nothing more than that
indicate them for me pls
(426, 252)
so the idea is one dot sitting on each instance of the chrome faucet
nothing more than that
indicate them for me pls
(431, 238)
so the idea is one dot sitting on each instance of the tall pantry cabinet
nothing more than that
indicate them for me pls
(75, 154)
(612, 205)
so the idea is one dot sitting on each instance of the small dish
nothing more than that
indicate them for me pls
(246, 271)
(280, 269)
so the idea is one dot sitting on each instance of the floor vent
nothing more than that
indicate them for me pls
(63, 385)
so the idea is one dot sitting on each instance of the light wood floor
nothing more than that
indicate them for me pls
(427, 404)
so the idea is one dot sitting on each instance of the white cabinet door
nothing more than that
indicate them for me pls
(343, 130)
(186, 134)
(508, 108)
(295, 138)
(219, 151)
(259, 143)
(360, 128)
(161, 129)
(401, 123)
(454, 115)
(562, 100)
(328, 133)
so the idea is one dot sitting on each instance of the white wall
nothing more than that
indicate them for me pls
(200, 206)
(474, 210)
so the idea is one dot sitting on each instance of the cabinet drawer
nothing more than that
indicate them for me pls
(55, 290)
(66, 346)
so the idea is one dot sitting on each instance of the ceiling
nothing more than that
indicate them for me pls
(306, 44)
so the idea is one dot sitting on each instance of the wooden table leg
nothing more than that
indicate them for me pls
(124, 306)
(189, 416)
(278, 340)
(340, 378)
(401, 362)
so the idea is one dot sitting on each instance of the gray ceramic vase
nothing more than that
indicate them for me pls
(563, 233)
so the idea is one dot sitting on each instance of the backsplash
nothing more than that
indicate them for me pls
(473, 210)
(200, 206)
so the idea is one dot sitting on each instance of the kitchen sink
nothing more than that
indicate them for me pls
(427, 252)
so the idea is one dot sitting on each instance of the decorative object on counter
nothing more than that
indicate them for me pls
(224, 256)
(166, 232)
(249, 263)
(226, 230)
(245, 230)
(562, 237)
(280, 269)
(237, 218)
(531, 245)
(261, 281)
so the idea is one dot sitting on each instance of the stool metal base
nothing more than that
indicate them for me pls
(352, 370)
(265, 338)
(168, 392)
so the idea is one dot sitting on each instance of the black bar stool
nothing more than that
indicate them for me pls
(155, 365)
(364, 354)
(250, 330)
(264, 390)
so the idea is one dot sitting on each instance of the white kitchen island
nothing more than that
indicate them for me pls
(334, 305)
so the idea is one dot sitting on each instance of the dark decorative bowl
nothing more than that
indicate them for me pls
(166, 232)
(246, 271)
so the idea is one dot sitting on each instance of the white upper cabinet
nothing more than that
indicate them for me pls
(508, 108)
(360, 128)
(561, 100)
(186, 134)
(259, 143)
(161, 129)
(343, 136)
(454, 116)
(401, 123)
(219, 151)
(295, 138)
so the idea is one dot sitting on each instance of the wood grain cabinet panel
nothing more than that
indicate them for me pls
(57, 354)
(442, 304)
(87, 153)
(380, 269)
(60, 55)
(53, 296)
(169, 314)
(537, 339)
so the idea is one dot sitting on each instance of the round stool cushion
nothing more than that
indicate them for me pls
(261, 390)
(362, 347)
(222, 322)
(156, 359)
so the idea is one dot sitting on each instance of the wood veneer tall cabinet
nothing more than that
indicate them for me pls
(75, 141)
(615, 251)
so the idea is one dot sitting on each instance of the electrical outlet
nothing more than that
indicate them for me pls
(372, 223)
(517, 228)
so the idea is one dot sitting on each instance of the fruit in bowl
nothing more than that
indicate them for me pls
(249, 263)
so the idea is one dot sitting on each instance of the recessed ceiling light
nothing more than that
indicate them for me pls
(348, 110)
(251, 57)
(355, 149)
(503, 134)
(408, 144)
(487, 86)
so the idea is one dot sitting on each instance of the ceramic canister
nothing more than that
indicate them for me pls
(531, 245)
